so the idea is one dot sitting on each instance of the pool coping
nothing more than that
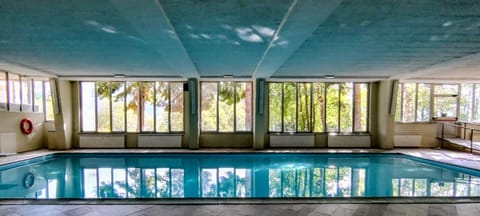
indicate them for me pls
(244, 201)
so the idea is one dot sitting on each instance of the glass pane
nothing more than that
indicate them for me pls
(14, 88)
(3, 91)
(395, 187)
(274, 183)
(209, 106)
(345, 182)
(148, 183)
(118, 106)
(346, 107)
(332, 106)
(466, 102)
(209, 182)
(318, 184)
(288, 182)
(423, 102)
(90, 186)
(331, 181)
(120, 182)
(445, 106)
(406, 187)
(133, 95)
(49, 114)
(103, 106)
(105, 187)
(177, 189)
(147, 99)
(304, 107)
(441, 188)
(359, 182)
(420, 187)
(243, 106)
(275, 107)
(446, 89)
(290, 107)
(163, 181)
(360, 112)
(398, 106)
(244, 183)
(408, 102)
(88, 104)
(318, 107)
(133, 182)
(27, 95)
(225, 106)
(38, 96)
(162, 106)
(476, 111)
(226, 182)
(176, 103)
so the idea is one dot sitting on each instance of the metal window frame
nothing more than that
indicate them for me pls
(234, 83)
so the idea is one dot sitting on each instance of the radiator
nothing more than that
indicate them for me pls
(159, 141)
(407, 140)
(8, 143)
(349, 141)
(102, 141)
(292, 140)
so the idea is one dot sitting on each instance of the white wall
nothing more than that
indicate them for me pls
(10, 123)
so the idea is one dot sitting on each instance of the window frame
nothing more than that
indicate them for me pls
(433, 96)
(217, 104)
(338, 129)
(140, 120)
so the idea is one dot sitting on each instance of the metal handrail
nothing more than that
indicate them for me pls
(465, 128)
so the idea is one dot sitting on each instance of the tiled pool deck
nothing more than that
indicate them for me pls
(256, 207)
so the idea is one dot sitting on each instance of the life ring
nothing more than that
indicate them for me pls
(26, 126)
(28, 180)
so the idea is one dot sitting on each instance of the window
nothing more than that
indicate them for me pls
(132, 106)
(133, 182)
(226, 182)
(328, 181)
(445, 100)
(226, 106)
(3, 91)
(419, 102)
(318, 107)
(22, 94)
(14, 92)
(49, 114)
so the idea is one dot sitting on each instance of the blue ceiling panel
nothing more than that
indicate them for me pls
(225, 37)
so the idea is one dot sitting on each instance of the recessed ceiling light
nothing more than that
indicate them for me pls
(329, 76)
(119, 75)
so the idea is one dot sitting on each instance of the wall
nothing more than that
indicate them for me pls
(426, 130)
(11, 124)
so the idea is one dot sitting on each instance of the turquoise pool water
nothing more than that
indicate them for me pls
(234, 175)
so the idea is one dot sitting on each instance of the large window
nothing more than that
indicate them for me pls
(419, 102)
(24, 94)
(132, 106)
(318, 107)
(226, 106)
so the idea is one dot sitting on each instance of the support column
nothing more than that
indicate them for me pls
(383, 113)
(192, 120)
(260, 120)
(61, 91)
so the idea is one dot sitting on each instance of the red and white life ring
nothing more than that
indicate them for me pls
(26, 126)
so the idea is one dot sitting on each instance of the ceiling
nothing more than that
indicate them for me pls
(349, 39)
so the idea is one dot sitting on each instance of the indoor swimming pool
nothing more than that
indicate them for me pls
(233, 175)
